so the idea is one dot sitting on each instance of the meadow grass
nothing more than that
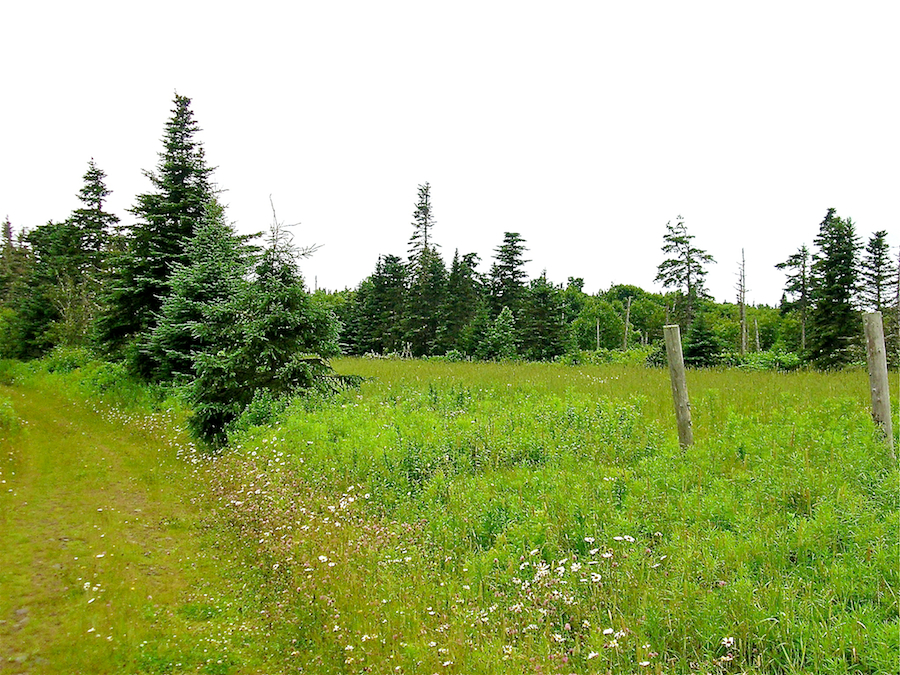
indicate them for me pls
(540, 518)
(464, 518)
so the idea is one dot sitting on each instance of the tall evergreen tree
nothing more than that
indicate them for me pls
(380, 307)
(462, 301)
(797, 287)
(422, 238)
(94, 224)
(506, 279)
(686, 268)
(543, 331)
(876, 273)
(427, 280)
(218, 260)
(167, 216)
(423, 313)
(15, 260)
(833, 320)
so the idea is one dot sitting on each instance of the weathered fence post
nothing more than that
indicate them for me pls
(878, 376)
(679, 384)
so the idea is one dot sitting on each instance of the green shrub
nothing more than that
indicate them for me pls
(66, 359)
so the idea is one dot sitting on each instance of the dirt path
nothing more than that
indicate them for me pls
(99, 539)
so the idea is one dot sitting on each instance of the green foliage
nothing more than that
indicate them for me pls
(191, 317)
(272, 337)
(543, 332)
(421, 240)
(66, 359)
(877, 272)
(598, 325)
(506, 280)
(834, 331)
(8, 418)
(702, 347)
(425, 298)
(168, 216)
(500, 341)
(686, 268)
(462, 301)
(378, 322)
(797, 288)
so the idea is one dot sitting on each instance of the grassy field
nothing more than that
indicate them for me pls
(456, 518)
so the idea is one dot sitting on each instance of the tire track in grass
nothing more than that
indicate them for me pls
(108, 560)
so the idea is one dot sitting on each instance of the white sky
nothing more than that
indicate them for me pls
(584, 126)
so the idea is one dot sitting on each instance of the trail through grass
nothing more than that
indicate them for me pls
(110, 558)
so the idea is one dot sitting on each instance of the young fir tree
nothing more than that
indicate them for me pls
(506, 279)
(686, 268)
(876, 273)
(269, 343)
(167, 216)
(500, 341)
(834, 326)
(543, 331)
(702, 347)
(797, 288)
(197, 309)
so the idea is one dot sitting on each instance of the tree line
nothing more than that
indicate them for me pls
(178, 296)
(420, 307)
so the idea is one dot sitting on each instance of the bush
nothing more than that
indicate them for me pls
(66, 359)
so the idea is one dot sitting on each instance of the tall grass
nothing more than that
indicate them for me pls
(500, 518)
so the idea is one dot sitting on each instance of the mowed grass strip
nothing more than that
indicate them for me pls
(110, 560)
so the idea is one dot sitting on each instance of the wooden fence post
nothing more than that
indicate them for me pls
(878, 376)
(679, 384)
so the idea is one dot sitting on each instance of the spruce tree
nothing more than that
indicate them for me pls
(380, 307)
(427, 280)
(94, 224)
(506, 279)
(167, 216)
(423, 312)
(834, 325)
(686, 268)
(702, 347)
(876, 273)
(543, 331)
(190, 320)
(422, 238)
(499, 341)
(462, 301)
(270, 342)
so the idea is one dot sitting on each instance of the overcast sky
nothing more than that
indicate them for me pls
(584, 126)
